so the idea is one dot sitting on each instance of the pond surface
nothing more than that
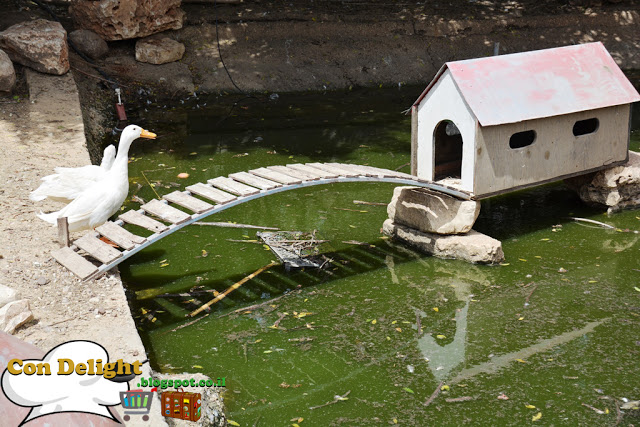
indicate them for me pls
(553, 329)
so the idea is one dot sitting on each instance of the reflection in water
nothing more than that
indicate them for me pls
(498, 362)
(444, 358)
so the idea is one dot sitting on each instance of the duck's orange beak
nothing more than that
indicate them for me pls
(147, 134)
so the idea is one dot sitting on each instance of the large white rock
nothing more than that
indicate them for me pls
(127, 19)
(7, 72)
(7, 295)
(158, 50)
(38, 44)
(431, 211)
(14, 314)
(472, 247)
(617, 187)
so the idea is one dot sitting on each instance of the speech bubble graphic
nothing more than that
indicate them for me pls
(49, 394)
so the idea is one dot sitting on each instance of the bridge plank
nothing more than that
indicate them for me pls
(74, 262)
(141, 220)
(371, 171)
(254, 180)
(119, 235)
(359, 169)
(310, 169)
(98, 249)
(304, 176)
(275, 176)
(211, 193)
(231, 186)
(165, 212)
(186, 201)
(334, 169)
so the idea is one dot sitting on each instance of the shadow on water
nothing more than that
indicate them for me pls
(553, 328)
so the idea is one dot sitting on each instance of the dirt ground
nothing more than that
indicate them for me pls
(36, 134)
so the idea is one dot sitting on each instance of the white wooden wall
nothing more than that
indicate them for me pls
(444, 102)
(556, 153)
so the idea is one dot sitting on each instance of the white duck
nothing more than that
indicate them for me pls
(68, 183)
(99, 201)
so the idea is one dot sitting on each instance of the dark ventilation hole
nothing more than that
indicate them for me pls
(522, 139)
(585, 127)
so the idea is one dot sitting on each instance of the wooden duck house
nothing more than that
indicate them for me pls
(491, 125)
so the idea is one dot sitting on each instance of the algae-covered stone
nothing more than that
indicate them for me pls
(473, 246)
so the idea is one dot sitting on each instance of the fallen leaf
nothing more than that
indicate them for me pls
(445, 388)
(399, 329)
(503, 397)
(520, 318)
(267, 351)
(408, 390)
(183, 175)
(197, 367)
(164, 265)
(504, 264)
(522, 259)
(435, 309)
(530, 406)
(636, 288)
(537, 416)
(374, 321)
(521, 361)
(441, 337)
(233, 423)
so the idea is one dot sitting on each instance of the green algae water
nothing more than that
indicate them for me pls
(381, 335)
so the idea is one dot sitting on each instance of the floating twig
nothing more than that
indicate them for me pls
(592, 221)
(401, 166)
(362, 202)
(526, 300)
(150, 186)
(350, 210)
(254, 306)
(232, 288)
(230, 225)
(458, 399)
(276, 324)
(435, 394)
(186, 324)
(596, 410)
(336, 399)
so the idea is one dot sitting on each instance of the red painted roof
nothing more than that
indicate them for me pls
(542, 83)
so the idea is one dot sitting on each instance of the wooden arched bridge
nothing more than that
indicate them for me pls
(224, 192)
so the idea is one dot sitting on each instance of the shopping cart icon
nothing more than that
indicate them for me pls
(136, 402)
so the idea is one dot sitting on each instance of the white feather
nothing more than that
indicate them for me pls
(100, 200)
(68, 183)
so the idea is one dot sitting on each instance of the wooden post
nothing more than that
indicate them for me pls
(63, 232)
(414, 140)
